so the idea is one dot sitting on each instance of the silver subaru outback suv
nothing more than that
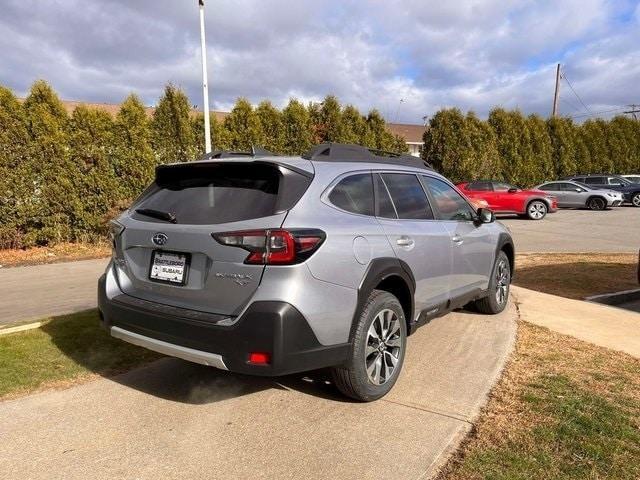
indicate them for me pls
(271, 265)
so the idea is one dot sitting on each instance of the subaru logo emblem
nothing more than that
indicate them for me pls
(159, 238)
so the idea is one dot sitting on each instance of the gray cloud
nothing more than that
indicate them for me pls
(466, 53)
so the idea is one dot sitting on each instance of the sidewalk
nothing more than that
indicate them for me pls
(602, 325)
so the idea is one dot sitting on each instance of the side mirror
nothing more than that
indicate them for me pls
(579, 190)
(486, 215)
(512, 190)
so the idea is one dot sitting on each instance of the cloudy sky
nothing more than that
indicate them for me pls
(372, 53)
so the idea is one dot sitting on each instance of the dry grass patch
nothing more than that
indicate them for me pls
(563, 409)
(63, 252)
(577, 275)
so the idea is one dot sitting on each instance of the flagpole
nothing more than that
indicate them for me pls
(205, 87)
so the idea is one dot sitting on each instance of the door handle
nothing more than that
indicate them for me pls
(457, 239)
(405, 241)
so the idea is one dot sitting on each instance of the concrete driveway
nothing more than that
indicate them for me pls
(173, 419)
(615, 230)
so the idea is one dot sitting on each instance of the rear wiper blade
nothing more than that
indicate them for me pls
(159, 214)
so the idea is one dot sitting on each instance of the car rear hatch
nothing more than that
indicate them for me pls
(167, 253)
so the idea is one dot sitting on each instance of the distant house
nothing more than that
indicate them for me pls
(411, 133)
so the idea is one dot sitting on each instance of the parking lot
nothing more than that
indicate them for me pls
(615, 230)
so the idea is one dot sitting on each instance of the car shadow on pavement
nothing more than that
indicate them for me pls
(185, 382)
(80, 338)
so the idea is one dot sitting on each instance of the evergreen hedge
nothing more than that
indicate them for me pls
(526, 151)
(63, 176)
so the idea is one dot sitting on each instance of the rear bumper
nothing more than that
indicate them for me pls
(276, 328)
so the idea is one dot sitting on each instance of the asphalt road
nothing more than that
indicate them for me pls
(31, 293)
(173, 419)
(615, 230)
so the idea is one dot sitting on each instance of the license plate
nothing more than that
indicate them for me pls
(169, 267)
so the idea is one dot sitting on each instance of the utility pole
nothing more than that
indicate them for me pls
(556, 95)
(205, 86)
(634, 110)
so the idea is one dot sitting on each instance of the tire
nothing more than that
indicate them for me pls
(537, 210)
(635, 199)
(596, 203)
(366, 375)
(499, 287)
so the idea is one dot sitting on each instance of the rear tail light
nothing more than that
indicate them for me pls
(273, 247)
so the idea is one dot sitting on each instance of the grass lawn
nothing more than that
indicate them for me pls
(63, 252)
(67, 350)
(564, 409)
(577, 275)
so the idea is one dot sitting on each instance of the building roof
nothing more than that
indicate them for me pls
(112, 108)
(411, 133)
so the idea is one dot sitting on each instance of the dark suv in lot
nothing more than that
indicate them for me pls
(271, 265)
(630, 191)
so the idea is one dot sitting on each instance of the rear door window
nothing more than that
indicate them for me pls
(384, 205)
(551, 187)
(354, 194)
(408, 196)
(205, 194)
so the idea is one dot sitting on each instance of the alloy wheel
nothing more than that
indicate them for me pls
(596, 204)
(502, 282)
(537, 210)
(636, 200)
(384, 347)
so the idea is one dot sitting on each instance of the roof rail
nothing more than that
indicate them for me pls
(255, 152)
(344, 152)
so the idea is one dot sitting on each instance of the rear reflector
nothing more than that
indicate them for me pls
(273, 247)
(259, 358)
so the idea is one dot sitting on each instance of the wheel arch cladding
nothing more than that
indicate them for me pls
(391, 275)
(546, 201)
(505, 244)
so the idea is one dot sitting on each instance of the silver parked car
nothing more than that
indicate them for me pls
(270, 265)
(572, 194)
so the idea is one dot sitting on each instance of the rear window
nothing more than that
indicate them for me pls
(354, 194)
(480, 186)
(202, 194)
(594, 180)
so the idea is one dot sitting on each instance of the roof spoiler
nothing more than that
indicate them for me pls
(344, 152)
(255, 152)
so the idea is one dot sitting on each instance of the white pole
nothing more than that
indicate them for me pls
(205, 87)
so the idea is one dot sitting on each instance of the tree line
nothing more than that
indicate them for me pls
(62, 177)
(527, 150)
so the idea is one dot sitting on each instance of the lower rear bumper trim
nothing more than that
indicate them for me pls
(189, 354)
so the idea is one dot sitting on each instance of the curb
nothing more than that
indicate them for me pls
(616, 298)
(21, 328)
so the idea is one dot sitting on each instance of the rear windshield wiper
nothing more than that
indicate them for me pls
(159, 214)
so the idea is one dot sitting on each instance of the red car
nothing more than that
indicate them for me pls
(505, 198)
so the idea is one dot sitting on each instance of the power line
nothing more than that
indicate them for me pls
(591, 114)
(572, 105)
(564, 76)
